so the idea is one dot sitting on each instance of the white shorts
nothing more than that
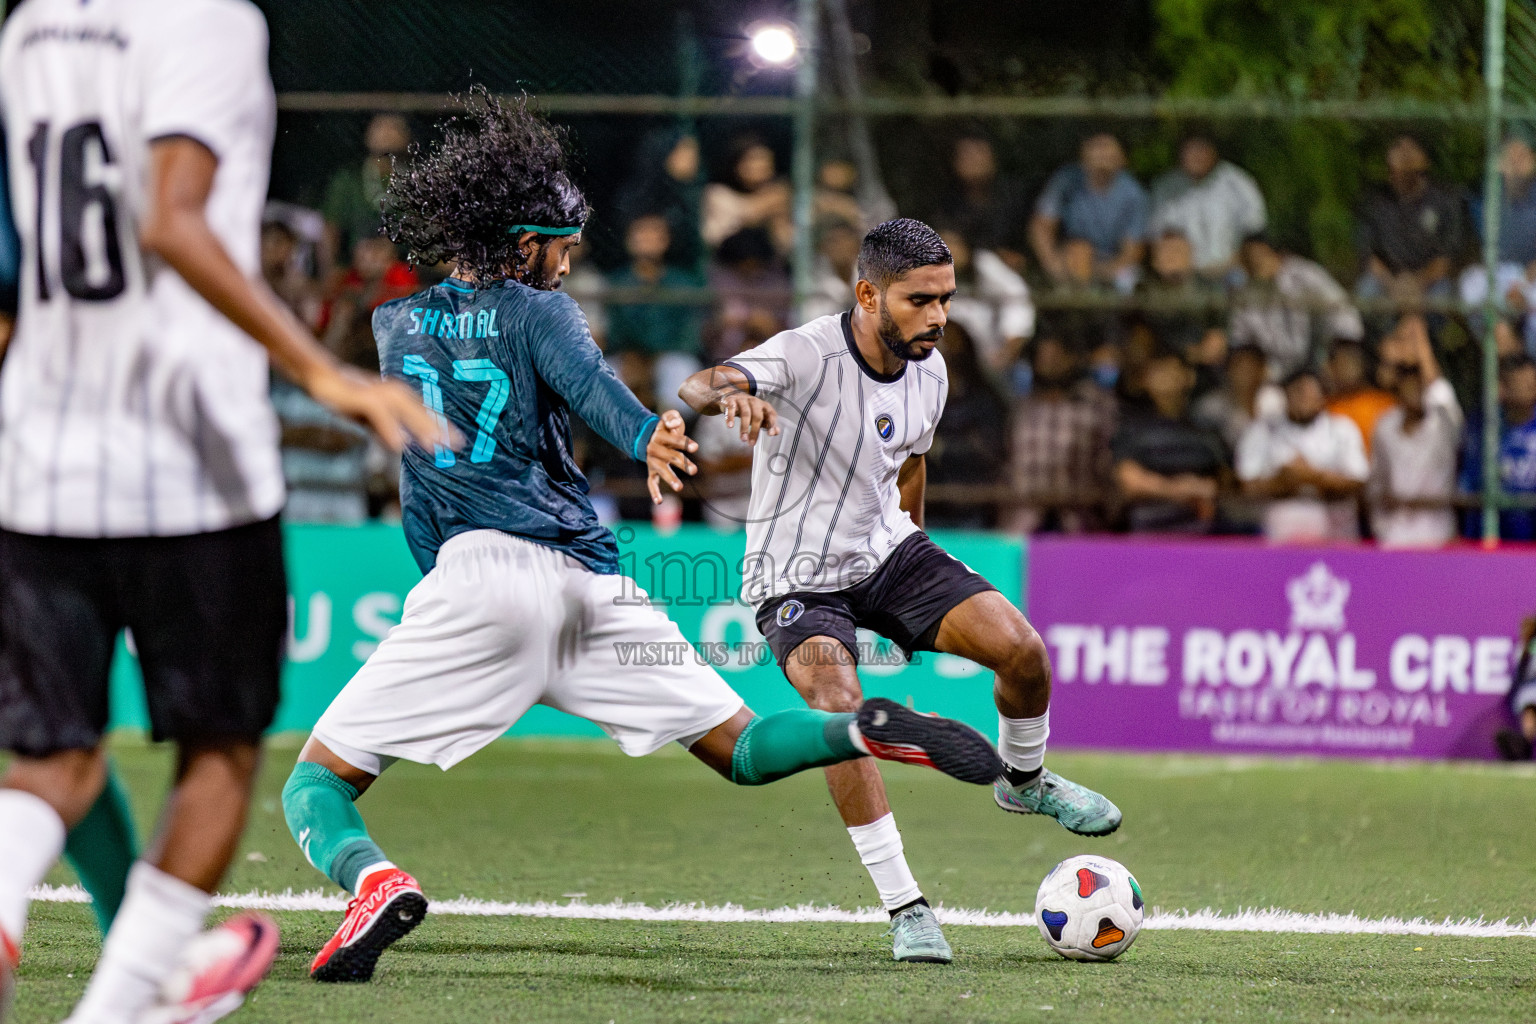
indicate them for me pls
(501, 624)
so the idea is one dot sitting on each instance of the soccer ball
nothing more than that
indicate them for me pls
(1089, 908)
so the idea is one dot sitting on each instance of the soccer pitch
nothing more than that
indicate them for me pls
(577, 822)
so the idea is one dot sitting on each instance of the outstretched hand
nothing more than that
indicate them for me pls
(667, 452)
(389, 409)
(754, 414)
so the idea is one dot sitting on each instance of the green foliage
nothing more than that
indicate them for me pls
(1313, 171)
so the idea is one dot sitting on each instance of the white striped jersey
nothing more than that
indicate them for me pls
(825, 511)
(128, 405)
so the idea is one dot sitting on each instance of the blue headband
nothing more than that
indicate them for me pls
(517, 229)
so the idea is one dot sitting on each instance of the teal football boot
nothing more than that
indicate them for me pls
(1078, 808)
(917, 938)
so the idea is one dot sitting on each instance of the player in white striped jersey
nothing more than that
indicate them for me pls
(841, 411)
(139, 474)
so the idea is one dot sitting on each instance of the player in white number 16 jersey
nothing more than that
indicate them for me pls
(139, 473)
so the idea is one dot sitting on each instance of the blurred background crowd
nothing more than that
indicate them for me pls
(1125, 353)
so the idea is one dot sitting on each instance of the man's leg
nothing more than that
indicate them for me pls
(102, 849)
(822, 669)
(170, 891)
(987, 629)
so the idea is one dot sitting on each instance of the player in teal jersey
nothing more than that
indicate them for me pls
(522, 603)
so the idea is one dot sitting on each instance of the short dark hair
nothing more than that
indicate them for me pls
(499, 165)
(1297, 376)
(896, 248)
(1247, 348)
(1514, 363)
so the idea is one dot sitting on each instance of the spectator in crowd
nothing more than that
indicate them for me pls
(668, 180)
(1350, 391)
(1288, 306)
(1309, 465)
(752, 294)
(281, 269)
(1515, 281)
(1168, 468)
(1517, 451)
(352, 198)
(1211, 202)
(1413, 455)
(752, 198)
(376, 276)
(992, 303)
(1412, 231)
(988, 208)
(836, 198)
(1245, 395)
(1090, 223)
(653, 340)
(587, 285)
(966, 447)
(1059, 451)
(837, 257)
(1183, 309)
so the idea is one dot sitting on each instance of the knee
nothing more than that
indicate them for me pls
(69, 781)
(1027, 661)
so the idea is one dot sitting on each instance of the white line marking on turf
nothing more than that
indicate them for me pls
(1208, 920)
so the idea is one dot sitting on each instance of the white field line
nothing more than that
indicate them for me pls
(1272, 920)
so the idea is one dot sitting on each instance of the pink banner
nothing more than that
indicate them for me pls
(1237, 646)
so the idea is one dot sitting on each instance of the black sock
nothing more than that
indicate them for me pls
(908, 906)
(1019, 777)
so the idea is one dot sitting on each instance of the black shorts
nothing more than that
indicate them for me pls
(208, 614)
(905, 601)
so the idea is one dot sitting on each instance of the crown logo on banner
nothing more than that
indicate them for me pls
(1317, 599)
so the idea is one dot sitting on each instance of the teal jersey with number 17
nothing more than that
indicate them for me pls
(506, 365)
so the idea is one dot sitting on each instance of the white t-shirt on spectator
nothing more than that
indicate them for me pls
(129, 406)
(1331, 443)
(1416, 466)
(997, 308)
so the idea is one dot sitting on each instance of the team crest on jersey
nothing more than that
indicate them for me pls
(885, 427)
(789, 611)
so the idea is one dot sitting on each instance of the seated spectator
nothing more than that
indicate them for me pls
(1213, 203)
(352, 198)
(968, 447)
(752, 198)
(1350, 391)
(752, 294)
(667, 180)
(1059, 450)
(992, 302)
(1413, 456)
(1288, 306)
(988, 208)
(1515, 281)
(836, 198)
(376, 276)
(283, 273)
(1517, 451)
(1412, 231)
(660, 338)
(1090, 223)
(1183, 309)
(837, 257)
(1309, 465)
(1168, 468)
(1245, 395)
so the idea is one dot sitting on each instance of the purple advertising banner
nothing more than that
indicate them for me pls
(1242, 647)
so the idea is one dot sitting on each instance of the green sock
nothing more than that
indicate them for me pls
(102, 848)
(774, 746)
(318, 805)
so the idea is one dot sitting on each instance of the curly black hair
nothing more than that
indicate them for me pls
(498, 165)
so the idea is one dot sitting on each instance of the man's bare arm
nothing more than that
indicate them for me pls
(176, 230)
(725, 390)
(912, 481)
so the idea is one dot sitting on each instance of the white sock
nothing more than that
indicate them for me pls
(362, 876)
(31, 840)
(160, 915)
(1021, 741)
(879, 846)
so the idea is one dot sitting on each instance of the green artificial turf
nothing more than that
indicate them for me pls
(540, 820)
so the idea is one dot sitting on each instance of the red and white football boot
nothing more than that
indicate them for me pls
(10, 957)
(385, 911)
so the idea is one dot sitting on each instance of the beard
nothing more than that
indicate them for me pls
(902, 347)
(535, 273)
